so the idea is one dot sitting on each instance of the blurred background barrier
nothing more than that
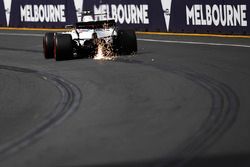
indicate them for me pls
(189, 16)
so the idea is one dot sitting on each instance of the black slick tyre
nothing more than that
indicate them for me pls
(63, 47)
(48, 45)
(126, 42)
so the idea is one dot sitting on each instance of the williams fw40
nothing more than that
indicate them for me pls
(88, 39)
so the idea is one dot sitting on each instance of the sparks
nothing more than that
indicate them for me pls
(99, 55)
(104, 53)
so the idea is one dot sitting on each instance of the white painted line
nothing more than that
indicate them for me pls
(193, 43)
(147, 40)
(21, 34)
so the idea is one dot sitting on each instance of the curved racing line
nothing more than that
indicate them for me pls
(68, 103)
(223, 113)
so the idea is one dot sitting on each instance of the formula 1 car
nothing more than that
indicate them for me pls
(85, 38)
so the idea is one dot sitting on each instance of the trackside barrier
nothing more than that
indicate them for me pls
(192, 16)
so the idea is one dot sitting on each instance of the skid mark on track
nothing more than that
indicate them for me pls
(222, 115)
(69, 102)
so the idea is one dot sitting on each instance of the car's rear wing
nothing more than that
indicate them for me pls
(95, 24)
(87, 14)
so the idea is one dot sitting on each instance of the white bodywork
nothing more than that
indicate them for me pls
(105, 33)
(86, 34)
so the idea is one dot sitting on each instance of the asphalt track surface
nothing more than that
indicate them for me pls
(180, 101)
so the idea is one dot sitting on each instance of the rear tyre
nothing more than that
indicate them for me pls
(48, 45)
(126, 42)
(63, 47)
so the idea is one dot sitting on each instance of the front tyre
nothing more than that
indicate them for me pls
(48, 45)
(63, 47)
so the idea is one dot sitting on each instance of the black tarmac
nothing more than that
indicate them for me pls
(179, 102)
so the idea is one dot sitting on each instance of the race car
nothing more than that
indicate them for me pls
(86, 38)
